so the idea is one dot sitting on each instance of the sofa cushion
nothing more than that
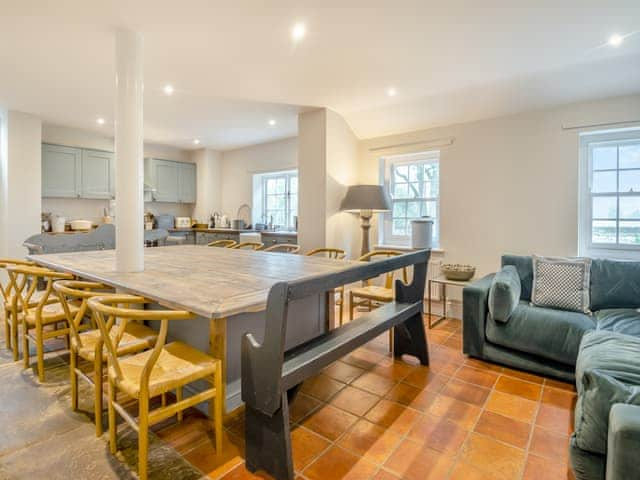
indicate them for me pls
(552, 334)
(504, 294)
(561, 283)
(620, 320)
(524, 267)
(615, 284)
(607, 372)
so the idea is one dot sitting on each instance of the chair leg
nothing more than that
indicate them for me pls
(40, 353)
(216, 411)
(351, 306)
(143, 437)
(73, 378)
(179, 399)
(7, 328)
(113, 440)
(97, 399)
(14, 335)
(25, 347)
(341, 314)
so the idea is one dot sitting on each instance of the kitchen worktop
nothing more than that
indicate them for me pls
(232, 230)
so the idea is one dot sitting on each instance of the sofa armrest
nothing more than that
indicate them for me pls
(623, 442)
(474, 313)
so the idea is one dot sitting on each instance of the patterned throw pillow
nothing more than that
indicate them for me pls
(561, 283)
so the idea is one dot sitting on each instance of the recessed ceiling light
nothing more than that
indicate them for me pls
(272, 122)
(298, 31)
(196, 141)
(168, 90)
(615, 40)
(392, 92)
(100, 121)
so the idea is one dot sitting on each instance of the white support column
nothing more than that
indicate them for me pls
(129, 152)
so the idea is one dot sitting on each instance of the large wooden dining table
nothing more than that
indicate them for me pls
(227, 289)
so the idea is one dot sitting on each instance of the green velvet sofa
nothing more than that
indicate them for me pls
(599, 351)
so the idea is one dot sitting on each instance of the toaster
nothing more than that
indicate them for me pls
(183, 222)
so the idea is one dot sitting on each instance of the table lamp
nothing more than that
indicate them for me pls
(365, 200)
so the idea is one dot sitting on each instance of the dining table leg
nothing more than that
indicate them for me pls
(218, 350)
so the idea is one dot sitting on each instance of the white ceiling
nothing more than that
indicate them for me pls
(234, 66)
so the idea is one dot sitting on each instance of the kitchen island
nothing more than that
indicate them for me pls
(227, 290)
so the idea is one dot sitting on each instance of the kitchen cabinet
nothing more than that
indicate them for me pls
(270, 239)
(97, 175)
(61, 171)
(69, 172)
(173, 182)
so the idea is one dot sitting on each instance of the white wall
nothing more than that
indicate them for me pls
(238, 167)
(72, 208)
(209, 164)
(507, 185)
(20, 187)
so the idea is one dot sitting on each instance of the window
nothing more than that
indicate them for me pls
(610, 199)
(413, 182)
(276, 198)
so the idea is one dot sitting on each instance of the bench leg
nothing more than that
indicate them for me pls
(268, 441)
(409, 339)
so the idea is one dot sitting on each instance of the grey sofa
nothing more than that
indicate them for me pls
(600, 351)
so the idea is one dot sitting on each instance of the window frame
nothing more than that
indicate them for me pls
(287, 175)
(386, 236)
(588, 142)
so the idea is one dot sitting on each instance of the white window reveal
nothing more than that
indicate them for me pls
(413, 182)
(275, 199)
(610, 198)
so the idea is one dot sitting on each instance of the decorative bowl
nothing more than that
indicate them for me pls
(459, 272)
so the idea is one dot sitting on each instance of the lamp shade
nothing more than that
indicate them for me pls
(366, 197)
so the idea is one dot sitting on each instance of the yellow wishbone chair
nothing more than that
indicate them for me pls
(145, 375)
(283, 248)
(222, 243)
(7, 295)
(367, 294)
(47, 312)
(88, 345)
(248, 246)
(336, 254)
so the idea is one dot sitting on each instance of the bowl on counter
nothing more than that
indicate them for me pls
(81, 225)
(458, 272)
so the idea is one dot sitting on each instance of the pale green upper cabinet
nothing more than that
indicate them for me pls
(97, 174)
(187, 184)
(61, 167)
(173, 182)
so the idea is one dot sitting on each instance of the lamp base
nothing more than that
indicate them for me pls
(365, 218)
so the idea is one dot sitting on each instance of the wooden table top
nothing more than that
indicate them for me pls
(208, 281)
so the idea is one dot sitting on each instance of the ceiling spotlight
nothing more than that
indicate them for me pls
(168, 90)
(298, 31)
(615, 40)
(100, 121)
(272, 122)
(391, 92)
(196, 141)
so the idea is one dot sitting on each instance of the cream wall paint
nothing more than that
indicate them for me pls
(20, 187)
(72, 208)
(341, 171)
(507, 185)
(209, 164)
(238, 167)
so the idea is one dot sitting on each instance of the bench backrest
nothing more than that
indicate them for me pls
(270, 354)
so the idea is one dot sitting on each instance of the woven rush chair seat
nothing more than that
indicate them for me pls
(177, 365)
(135, 338)
(50, 313)
(374, 292)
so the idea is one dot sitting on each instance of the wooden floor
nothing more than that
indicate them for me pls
(368, 416)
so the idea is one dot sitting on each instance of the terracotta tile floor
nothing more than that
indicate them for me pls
(370, 417)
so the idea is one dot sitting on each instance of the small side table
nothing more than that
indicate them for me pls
(443, 282)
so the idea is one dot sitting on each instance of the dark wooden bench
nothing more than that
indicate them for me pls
(271, 377)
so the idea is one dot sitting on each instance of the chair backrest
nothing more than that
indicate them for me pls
(77, 290)
(25, 280)
(7, 288)
(336, 253)
(248, 246)
(377, 255)
(105, 311)
(283, 247)
(222, 243)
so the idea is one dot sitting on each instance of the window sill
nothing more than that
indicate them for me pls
(404, 248)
